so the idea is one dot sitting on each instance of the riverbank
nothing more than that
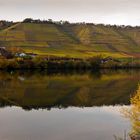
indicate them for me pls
(55, 63)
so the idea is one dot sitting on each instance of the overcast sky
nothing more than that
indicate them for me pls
(98, 11)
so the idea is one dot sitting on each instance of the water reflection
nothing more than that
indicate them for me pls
(73, 123)
(46, 90)
(68, 105)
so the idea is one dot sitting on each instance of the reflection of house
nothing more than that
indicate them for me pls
(5, 53)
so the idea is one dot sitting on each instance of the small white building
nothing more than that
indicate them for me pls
(21, 54)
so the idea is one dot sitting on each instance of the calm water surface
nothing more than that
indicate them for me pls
(66, 106)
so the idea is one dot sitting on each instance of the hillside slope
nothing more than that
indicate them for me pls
(76, 40)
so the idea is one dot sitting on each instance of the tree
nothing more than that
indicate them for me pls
(133, 113)
(28, 20)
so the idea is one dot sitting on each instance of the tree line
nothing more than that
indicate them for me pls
(61, 22)
(64, 63)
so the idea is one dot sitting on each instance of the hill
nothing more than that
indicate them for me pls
(75, 40)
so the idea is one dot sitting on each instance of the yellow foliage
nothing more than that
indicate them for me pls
(134, 113)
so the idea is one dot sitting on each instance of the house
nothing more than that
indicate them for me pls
(31, 55)
(108, 59)
(21, 54)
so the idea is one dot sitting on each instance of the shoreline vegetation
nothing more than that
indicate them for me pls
(67, 63)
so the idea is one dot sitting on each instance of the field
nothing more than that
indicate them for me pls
(72, 40)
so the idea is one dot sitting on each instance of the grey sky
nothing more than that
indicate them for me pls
(97, 11)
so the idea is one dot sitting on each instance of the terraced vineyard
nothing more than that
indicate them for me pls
(75, 40)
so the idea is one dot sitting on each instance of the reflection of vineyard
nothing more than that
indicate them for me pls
(40, 90)
(133, 114)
